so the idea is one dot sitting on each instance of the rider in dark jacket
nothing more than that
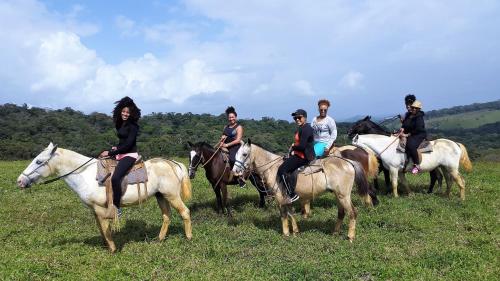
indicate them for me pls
(414, 128)
(302, 152)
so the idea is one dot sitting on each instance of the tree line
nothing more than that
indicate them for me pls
(26, 131)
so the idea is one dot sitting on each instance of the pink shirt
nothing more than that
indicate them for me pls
(134, 155)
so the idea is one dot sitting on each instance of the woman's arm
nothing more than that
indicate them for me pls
(129, 143)
(333, 132)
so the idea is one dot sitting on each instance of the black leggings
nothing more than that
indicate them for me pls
(232, 154)
(287, 168)
(412, 144)
(116, 180)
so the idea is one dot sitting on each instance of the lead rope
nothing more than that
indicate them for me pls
(397, 138)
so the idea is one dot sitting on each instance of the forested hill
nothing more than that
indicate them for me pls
(24, 131)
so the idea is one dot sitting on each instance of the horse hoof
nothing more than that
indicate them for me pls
(189, 238)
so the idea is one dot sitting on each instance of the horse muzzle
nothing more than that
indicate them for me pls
(23, 182)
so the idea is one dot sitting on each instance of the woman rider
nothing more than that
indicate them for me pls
(231, 137)
(414, 130)
(125, 116)
(325, 130)
(409, 99)
(302, 152)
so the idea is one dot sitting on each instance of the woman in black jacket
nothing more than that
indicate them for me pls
(125, 116)
(414, 129)
(302, 152)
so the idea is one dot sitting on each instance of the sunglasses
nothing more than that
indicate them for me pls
(297, 117)
(323, 110)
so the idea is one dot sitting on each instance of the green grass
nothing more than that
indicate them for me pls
(465, 120)
(47, 233)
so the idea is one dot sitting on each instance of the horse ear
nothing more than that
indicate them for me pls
(53, 150)
(366, 118)
(249, 141)
(190, 144)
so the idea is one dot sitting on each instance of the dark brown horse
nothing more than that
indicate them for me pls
(367, 126)
(219, 174)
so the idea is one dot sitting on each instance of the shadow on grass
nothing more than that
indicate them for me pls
(133, 231)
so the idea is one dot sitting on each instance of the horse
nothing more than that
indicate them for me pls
(448, 155)
(369, 163)
(168, 181)
(218, 174)
(367, 126)
(338, 176)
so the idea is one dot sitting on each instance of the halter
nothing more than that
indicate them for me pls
(191, 167)
(54, 179)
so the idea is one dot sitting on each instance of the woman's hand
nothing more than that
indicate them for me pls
(104, 154)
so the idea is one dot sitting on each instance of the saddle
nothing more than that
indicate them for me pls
(136, 175)
(313, 167)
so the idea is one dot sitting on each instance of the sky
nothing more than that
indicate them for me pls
(265, 58)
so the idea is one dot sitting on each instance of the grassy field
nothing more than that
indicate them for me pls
(464, 120)
(47, 234)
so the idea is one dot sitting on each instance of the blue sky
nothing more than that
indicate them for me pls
(267, 58)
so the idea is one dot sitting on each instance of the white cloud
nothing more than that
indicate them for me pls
(352, 80)
(303, 87)
(126, 26)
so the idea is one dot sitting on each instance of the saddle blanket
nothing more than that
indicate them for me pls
(137, 174)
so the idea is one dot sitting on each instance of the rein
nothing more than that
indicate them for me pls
(397, 137)
(67, 174)
(209, 159)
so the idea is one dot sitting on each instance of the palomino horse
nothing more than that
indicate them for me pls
(218, 174)
(338, 176)
(367, 126)
(446, 154)
(368, 162)
(168, 181)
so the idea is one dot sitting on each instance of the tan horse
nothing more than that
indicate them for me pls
(368, 162)
(168, 181)
(338, 177)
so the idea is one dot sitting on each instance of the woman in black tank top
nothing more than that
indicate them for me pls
(232, 135)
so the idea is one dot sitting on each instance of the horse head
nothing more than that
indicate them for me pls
(363, 126)
(38, 168)
(242, 158)
(195, 158)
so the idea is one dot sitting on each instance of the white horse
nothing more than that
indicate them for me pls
(447, 154)
(167, 180)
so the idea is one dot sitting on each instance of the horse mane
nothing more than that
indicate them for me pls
(204, 144)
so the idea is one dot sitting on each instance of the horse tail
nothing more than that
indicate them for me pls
(186, 187)
(464, 158)
(364, 188)
(373, 165)
(183, 175)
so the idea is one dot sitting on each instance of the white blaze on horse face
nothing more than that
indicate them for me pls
(192, 153)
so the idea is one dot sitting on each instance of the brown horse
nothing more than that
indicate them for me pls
(219, 174)
(338, 176)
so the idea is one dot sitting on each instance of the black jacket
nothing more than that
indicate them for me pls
(127, 135)
(414, 124)
(306, 141)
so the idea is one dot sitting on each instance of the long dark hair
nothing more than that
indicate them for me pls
(135, 112)
(409, 99)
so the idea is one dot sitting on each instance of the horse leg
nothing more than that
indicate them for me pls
(295, 227)
(387, 178)
(434, 177)
(460, 181)
(439, 174)
(185, 214)
(394, 181)
(449, 182)
(165, 210)
(105, 230)
(404, 182)
(225, 205)
(340, 219)
(218, 197)
(345, 201)
(262, 199)
(284, 220)
(306, 208)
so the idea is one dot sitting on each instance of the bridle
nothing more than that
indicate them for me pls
(46, 162)
(200, 159)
